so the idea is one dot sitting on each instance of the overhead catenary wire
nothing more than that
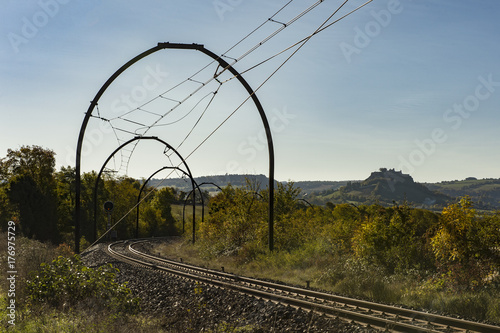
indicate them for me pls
(256, 29)
(283, 27)
(265, 40)
(298, 44)
(322, 27)
(212, 93)
(262, 42)
(254, 48)
(199, 118)
(213, 61)
(215, 76)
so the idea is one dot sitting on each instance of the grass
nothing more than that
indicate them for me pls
(323, 270)
(83, 317)
(177, 211)
(29, 255)
(346, 276)
(48, 320)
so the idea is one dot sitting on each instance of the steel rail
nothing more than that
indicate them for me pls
(364, 312)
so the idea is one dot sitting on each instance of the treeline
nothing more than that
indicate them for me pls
(41, 200)
(457, 248)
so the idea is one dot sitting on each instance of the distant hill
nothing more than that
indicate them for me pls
(310, 187)
(385, 187)
(184, 184)
(485, 193)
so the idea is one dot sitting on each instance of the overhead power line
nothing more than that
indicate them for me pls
(201, 84)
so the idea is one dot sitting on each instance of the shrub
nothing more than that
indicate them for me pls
(66, 282)
(465, 245)
(396, 238)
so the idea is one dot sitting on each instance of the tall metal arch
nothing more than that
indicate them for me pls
(121, 147)
(224, 64)
(194, 205)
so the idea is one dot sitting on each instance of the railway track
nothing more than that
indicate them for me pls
(370, 314)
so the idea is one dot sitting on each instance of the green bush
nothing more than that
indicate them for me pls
(66, 283)
(396, 238)
(466, 246)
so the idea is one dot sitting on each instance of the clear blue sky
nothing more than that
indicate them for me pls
(411, 85)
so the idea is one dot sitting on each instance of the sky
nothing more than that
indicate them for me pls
(410, 85)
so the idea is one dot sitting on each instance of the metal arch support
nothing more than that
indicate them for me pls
(210, 183)
(101, 91)
(144, 185)
(121, 147)
(194, 204)
(307, 202)
(255, 193)
(267, 128)
(202, 201)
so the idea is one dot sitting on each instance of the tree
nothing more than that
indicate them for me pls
(65, 189)
(37, 211)
(33, 161)
(345, 220)
(395, 238)
(285, 199)
(465, 244)
(31, 190)
(152, 223)
(236, 222)
(455, 240)
(123, 192)
(162, 202)
(6, 213)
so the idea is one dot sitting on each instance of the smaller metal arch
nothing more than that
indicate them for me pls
(184, 210)
(202, 202)
(254, 193)
(121, 147)
(144, 185)
(211, 183)
(307, 202)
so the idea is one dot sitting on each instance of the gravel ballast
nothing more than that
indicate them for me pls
(185, 306)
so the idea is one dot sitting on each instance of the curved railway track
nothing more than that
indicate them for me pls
(375, 315)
